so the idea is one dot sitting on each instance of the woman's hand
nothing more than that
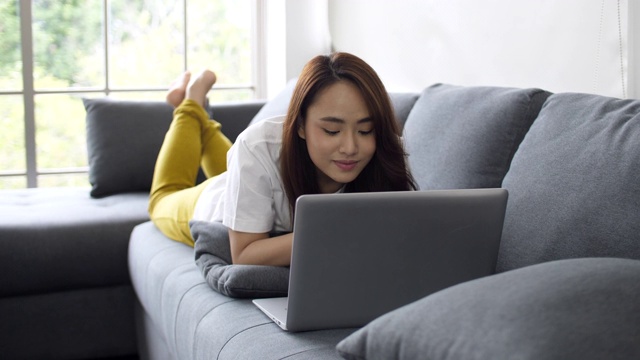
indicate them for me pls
(260, 249)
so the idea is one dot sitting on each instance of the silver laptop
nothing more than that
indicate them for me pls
(358, 256)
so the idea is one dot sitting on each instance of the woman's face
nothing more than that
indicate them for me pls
(339, 135)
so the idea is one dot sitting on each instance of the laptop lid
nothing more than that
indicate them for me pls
(357, 256)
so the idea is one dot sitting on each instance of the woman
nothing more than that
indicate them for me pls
(339, 135)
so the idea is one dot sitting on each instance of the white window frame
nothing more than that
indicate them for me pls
(28, 92)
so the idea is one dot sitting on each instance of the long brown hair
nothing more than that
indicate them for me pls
(387, 170)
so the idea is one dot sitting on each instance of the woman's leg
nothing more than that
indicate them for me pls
(215, 146)
(190, 136)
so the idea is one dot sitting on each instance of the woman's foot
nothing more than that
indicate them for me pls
(178, 89)
(199, 86)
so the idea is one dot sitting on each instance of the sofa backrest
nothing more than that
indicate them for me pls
(574, 183)
(465, 137)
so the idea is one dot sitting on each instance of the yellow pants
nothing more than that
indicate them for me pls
(191, 142)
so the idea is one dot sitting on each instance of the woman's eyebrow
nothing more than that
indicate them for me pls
(334, 119)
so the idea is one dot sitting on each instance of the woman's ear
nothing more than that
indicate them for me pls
(301, 132)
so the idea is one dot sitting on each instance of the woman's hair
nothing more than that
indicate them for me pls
(387, 170)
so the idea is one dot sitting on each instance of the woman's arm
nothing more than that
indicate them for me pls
(260, 249)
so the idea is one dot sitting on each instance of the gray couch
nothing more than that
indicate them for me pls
(87, 276)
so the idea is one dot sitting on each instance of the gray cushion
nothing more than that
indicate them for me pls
(196, 322)
(234, 116)
(57, 239)
(123, 141)
(124, 138)
(402, 105)
(465, 137)
(568, 309)
(574, 184)
(213, 257)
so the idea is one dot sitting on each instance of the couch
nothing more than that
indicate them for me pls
(84, 274)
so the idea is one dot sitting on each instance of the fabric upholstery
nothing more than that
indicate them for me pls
(85, 323)
(62, 239)
(465, 137)
(213, 258)
(63, 275)
(574, 183)
(199, 323)
(568, 309)
(124, 138)
(402, 105)
(234, 117)
(123, 141)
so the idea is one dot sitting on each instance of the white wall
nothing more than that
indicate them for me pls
(307, 33)
(294, 32)
(634, 48)
(568, 45)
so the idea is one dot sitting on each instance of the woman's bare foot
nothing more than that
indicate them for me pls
(178, 89)
(199, 86)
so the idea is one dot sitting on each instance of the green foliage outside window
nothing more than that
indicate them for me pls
(146, 49)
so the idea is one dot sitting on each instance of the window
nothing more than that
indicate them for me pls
(53, 53)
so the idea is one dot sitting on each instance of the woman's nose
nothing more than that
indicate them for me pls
(349, 144)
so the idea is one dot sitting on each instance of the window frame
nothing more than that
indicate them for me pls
(29, 92)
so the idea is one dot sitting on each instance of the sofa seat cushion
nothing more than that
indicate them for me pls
(199, 323)
(568, 309)
(574, 183)
(57, 239)
(465, 137)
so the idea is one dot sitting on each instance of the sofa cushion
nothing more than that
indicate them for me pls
(57, 239)
(213, 257)
(199, 323)
(235, 116)
(124, 138)
(123, 141)
(574, 183)
(568, 309)
(402, 105)
(465, 137)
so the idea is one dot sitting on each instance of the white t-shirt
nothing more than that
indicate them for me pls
(249, 196)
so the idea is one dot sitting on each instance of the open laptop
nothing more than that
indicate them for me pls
(358, 256)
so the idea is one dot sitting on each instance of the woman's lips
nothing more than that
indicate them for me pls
(346, 165)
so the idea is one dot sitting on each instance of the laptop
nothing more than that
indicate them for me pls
(357, 256)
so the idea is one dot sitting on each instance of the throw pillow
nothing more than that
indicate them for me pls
(569, 309)
(402, 105)
(213, 257)
(123, 141)
(573, 183)
(465, 137)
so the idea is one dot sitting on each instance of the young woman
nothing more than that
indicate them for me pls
(339, 135)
